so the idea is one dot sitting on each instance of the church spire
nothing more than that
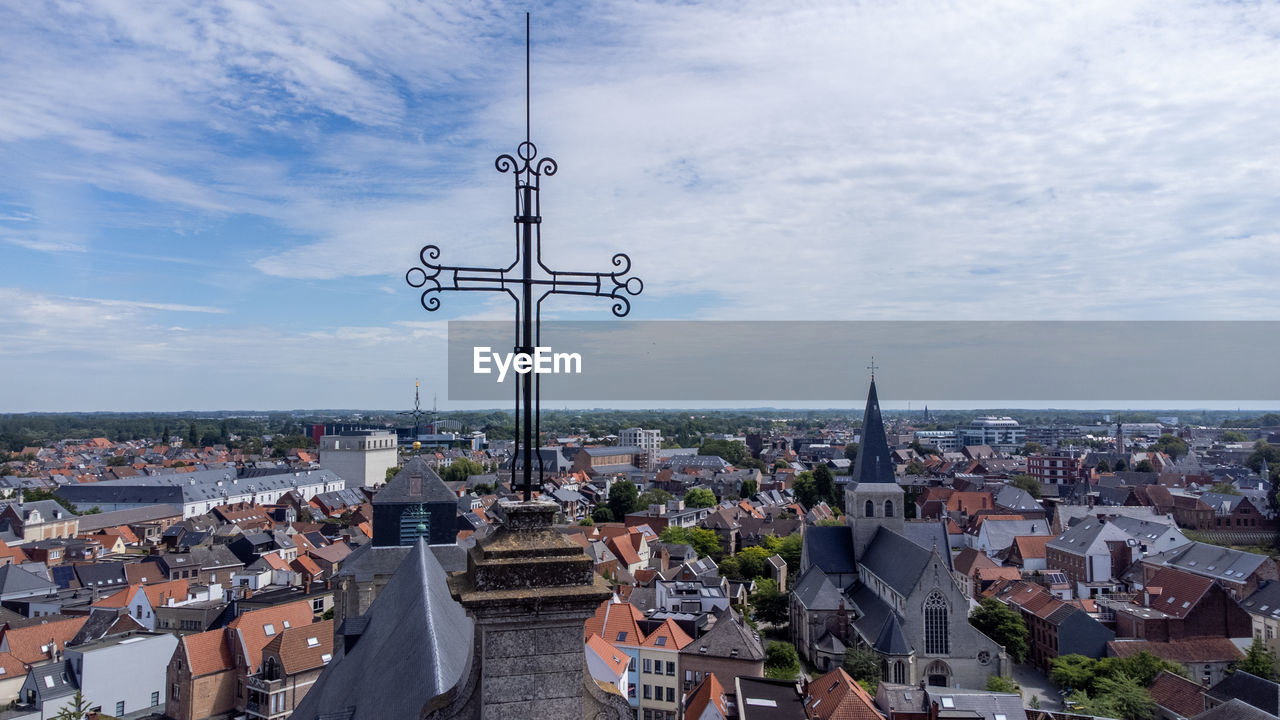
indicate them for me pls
(873, 464)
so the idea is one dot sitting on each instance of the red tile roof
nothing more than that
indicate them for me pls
(302, 648)
(1203, 649)
(615, 659)
(207, 652)
(1177, 693)
(25, 643)
(708, 692)
(836, 696)
(255, 628)
(668, 636)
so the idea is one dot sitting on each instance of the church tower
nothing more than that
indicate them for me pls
(874, 499)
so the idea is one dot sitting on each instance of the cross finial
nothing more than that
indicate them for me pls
(872, 367)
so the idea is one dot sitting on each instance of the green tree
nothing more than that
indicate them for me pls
(731, 451)
(806, 489)
(461, 469)
(1171, 445)
(1144, 466)
(769, 602)
(824, 483)
(752, 562)
(602, 514)
(1104, 466)
(1262, 450)
(781, 465)
(915, 467)
(193, 436)
(699, 498)
(1121, 465)
(749, 488)
(998, 622)
(781, 662)
(1225, 488)
(1259, 660)
(1032, 448)
(392, 472)
(862, 664)
(1234, 436)
(655, 496)
(703, 541)
(1142, 667)
(586, 521)
(624, 498)
(76, 709)
(1072, 671)
(1000, 684)
(1121, 697)
(1026, 482)
(117, 461)
(788, 548)
(851, 451)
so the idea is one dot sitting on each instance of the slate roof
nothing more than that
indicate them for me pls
(1221, 503)
(1265, 600)
(1235, 709)
(872, 612)
(1088, 535)
(892, 641)
(17, 582)
(830, 548)
(727, 635)
(895, 560)
(1015, 498)
(1212, 561)
(413, 621)
(179, 488)
(131, 516)
(415, 483)
(53, 681)
(816, 592)
(1260, 693)
(874, 464)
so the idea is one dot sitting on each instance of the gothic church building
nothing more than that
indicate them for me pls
(884, 583)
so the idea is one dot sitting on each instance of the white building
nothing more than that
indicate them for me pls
(361, 457)
(1001, 433)
(943, 440)
(198, 492)
(649, 441)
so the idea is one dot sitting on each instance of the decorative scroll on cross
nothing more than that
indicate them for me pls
(526, 277)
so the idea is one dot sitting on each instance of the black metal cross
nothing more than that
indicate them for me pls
(519, 280)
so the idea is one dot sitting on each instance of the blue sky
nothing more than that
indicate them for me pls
(212, 205)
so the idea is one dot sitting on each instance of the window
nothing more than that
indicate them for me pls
(869, 510)
(269, 629)
(631, 665)
(671, 668)
(671, 694)
(155, 698)
(899, 672)
(119, 708)
(648, 666)
(173, 691)
(937, 640)
(888, 508)
(648, 692)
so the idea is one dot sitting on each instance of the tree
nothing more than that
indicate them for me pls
(1234, 436)
(76, 709)
(731, 451)
(788, 548)
(915, 467)
(623, 498)
(1032, 448)
(1259, 660)
(770, 603)
(1104, 466)
(748, 488)
(862, 664)
(1171, 445)
(851, 451)
(781, 662)
(602, 514)
(461, 469)
(1026, 482)
(806, 489)
(117, 461)
(1225, 488)
(193, 436)
(699, 498)
(1142, 667)
(781, 465)
(752, 562)
(1262, 450)
(392, 472)
(655, 496)
(1145, 466)
(995, 620)
(1121, 466)
(587, 522)
(824, 483)
(1072, 671)
(703, 541)
(1121, 697)
(1000, 684)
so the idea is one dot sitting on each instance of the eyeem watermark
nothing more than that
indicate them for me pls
(541, 362)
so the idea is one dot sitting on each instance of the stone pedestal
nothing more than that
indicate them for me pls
(529, 591)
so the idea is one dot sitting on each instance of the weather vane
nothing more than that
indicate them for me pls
(525, 277)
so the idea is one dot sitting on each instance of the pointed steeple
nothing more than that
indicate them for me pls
(874, 463)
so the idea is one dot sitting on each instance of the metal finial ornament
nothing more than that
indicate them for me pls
(872, 367)
(526, 276)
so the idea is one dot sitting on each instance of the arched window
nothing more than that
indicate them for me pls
(888, 508)
(899, 672)
(869, 510)
(936, 639)
(938, 674)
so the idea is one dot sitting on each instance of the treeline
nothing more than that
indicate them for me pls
(36, 429)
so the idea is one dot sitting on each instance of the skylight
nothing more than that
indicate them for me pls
(269, 629)
(313, 642)
(949, 703)
(762, 702)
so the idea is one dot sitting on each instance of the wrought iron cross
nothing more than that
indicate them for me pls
(525, 277)
(872, 367)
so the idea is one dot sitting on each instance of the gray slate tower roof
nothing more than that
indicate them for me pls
(874, 464)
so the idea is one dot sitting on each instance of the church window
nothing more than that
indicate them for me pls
(869, 510)
(888, 508)
(899, 672)
(415, 522)
(936, 639)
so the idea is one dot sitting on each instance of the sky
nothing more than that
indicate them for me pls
(212, 205)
